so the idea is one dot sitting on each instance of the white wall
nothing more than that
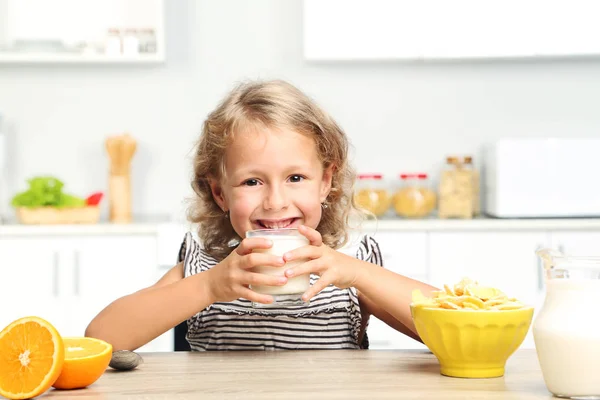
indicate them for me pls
(399, 116)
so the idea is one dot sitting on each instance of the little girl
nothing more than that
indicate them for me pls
(268, 157)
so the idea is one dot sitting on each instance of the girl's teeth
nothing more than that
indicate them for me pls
(276, 225)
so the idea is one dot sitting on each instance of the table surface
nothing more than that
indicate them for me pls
(325, 374)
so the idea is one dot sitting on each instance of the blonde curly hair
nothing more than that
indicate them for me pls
(276, 104)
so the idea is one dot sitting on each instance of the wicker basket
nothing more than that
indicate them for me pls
(53, 215)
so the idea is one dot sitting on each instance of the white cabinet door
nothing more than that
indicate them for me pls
(33, 281)
(505, 260)
(431, 29)
(106, 268)
(383, 337)
(404, 252)
(354, 30)
(577, 243)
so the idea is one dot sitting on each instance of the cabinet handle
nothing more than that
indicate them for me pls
(76, 274)
(55, 274)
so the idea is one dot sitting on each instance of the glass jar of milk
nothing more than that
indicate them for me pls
(567, 329)
(284, 240)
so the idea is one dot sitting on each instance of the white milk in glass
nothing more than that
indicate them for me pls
(284, 240)
(567, 334)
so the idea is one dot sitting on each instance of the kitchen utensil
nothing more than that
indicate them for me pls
(121, 149)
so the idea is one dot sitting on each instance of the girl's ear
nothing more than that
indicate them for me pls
(217, 193)
(326, 182)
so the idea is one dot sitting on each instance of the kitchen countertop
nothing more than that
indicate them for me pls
(139, 225)
(334, 374)
(156, 225)
(480, 223)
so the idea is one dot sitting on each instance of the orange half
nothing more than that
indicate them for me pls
(31, 358)
(86, 359)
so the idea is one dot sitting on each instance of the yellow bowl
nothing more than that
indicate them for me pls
(471, 343)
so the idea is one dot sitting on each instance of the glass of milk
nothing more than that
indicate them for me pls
(284, 240)
(567, 328)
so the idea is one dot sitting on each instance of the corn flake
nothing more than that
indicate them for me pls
(466, 295)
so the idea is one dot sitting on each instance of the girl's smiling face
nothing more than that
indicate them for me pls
(273, 178)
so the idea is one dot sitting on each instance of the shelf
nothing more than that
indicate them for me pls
(155, 224)
(32, 58)
(479, 224)
(76, 32)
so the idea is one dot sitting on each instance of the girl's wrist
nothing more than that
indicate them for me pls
(203, 287)
(362, 274)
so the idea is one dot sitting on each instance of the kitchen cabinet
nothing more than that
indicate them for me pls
(71, 31)
(404, 253)
(67, 274)
(107, 268)
(384, 337)
(505, 260)
(68, 280)
(30, 272)
(577, 243)
(438, 29)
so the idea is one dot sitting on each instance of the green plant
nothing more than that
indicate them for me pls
(46, 191)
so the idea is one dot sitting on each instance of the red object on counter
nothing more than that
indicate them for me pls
(370, 176)
(413, 176)
(94, 199)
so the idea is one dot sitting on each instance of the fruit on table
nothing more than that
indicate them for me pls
(34, 357)
(31, 358)
(86, 359)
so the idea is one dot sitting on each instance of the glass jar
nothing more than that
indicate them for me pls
(372, 194)
(147, 42)
(566, 330)
(114, 44)
(414, 198)
(458, 189)
(130, 42)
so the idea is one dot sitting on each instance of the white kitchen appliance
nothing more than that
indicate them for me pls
(536, 178)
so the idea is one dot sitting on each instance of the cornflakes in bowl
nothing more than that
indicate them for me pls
(471, 329)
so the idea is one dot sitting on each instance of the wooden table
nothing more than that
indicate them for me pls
(314, 375)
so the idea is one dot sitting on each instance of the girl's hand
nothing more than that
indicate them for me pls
(232, 276)
(332, 266)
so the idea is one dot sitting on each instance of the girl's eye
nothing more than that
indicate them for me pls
(251, 182)
(296, 178)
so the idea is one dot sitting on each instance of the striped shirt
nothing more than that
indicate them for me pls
(332, 319)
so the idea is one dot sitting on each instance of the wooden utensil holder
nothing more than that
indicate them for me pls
(120, 198)
(120, 150)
